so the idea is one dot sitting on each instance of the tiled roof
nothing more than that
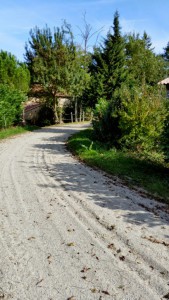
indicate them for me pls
(31, 106)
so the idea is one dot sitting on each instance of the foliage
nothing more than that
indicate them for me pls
(95, 89)
(166, 52)
(141, 61)
(14, 84)
(141, 118)
(10, 106)
(103, 121)
(13, 73)
(130, 111)
(165, 136)
(108, 66)
(137, 124)
(165, 57)
(115, 71)
(50, 58)
(79, 78)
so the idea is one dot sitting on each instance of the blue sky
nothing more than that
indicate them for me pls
(17, 17)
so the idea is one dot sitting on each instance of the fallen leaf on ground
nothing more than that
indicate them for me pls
(85, 269)
(122, 257)
(31, 238)
(95, 256)
(111, 246)
(111, 227)
(49, 258)
(105, 292)
(93, 290)
(84, 277)
(39, 281)
(71, 244)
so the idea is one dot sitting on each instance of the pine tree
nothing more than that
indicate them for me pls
(109, 63)
(142, 63)
(115, 72)
(166, 52)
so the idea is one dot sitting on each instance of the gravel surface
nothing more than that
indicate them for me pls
(70, 232)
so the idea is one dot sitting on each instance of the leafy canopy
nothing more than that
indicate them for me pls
(13, 73)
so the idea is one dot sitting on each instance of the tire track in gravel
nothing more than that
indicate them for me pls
(140, 256)
(67, 230)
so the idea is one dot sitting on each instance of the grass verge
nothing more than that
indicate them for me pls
(135, 172)
(11, 131)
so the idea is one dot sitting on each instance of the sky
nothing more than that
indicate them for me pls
(18, 17)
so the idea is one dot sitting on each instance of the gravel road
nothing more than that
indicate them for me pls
(70, 232)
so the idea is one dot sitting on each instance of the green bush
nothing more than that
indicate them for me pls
(105, 122)
(142, 119)
(11, 102)
(165, 136)
(133, 119)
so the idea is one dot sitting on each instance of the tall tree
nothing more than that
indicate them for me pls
(79, 79)
(109, 65)
(165, 56)
(166, 52)
(109, 61)
(49, 57)
(143, 64)
(114, 57)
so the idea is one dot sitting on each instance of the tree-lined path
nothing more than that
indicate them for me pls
(70, 232)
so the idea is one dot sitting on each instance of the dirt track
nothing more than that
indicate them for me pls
(69, 232)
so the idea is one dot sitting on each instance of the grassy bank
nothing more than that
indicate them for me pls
(5, 133)
(152, 177)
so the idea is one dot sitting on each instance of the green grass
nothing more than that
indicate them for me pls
(5, 133)
(152, 177)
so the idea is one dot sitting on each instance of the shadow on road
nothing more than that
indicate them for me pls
(95, 185)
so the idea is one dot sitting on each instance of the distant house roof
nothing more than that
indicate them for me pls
(164, 81)
(37, 90)
(31, 106)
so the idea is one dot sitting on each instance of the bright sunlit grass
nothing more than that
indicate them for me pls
(5, 133)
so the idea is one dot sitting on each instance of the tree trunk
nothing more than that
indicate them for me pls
(81, 112)
(76, 119)
(60, 115)
(55, 109)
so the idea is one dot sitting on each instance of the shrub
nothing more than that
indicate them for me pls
(142, 119)
(10, 106)
(133, 119)
(165, 136)
(106, 122)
